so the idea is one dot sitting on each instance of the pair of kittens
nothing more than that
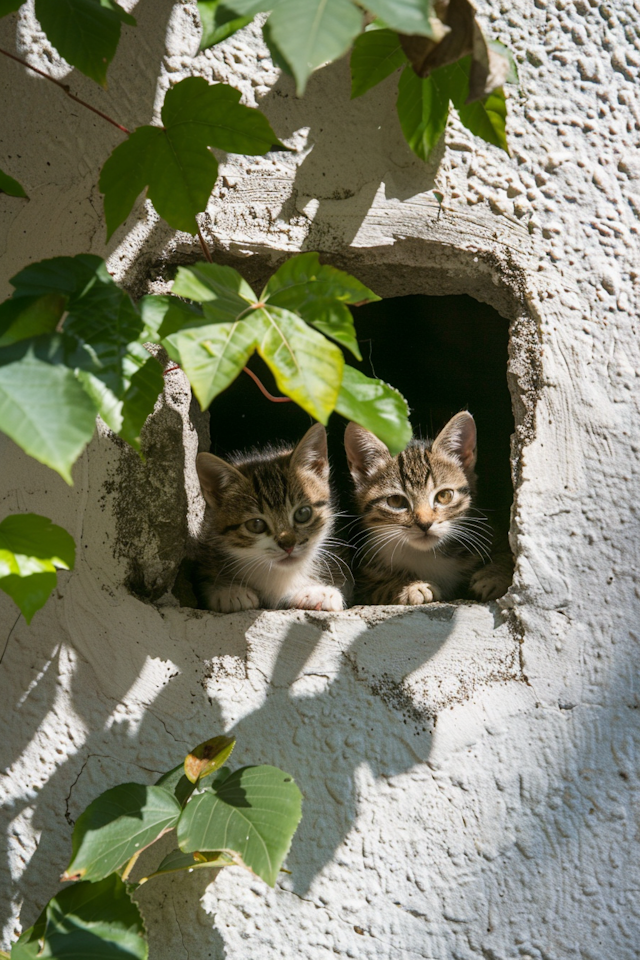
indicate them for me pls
(267, 537)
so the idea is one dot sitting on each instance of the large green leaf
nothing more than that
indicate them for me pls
(66, 275)
(377, 406)
(44, 409)
(222, 289)
(7, 184)
(423, 108)
(140, 397)
(174, 161)
(376, 54)
(306, 366)
(24, 317)
(252, 815)
(212, 356)
(218, 22)
(409, 16)
(311, 32)
(31, 549)
(177, 784)
(116, 825)
(84, 32)
(164, 315)
(88, 921)
(319, 292)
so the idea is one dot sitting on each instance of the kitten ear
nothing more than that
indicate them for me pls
(311, 452)
(458, 439)
(216, 476)
(365, 453)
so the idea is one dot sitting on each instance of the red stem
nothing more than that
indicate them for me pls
(205, 248)
(264, 390)
(63, 86)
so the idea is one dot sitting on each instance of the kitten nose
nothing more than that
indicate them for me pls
(424, 525)
(286, 542)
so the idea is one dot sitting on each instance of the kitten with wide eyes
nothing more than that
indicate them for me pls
(267, 529)
(421, 541)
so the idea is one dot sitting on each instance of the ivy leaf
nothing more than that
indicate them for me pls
(319, 292)
(377, 407)
(376, 54)
(177, 861)
(175, 782)
(84, 32)
(174, 161)
(311, 32)
(212, 356)
(218, 22)
(305, 365)
(31, 549)
(252, 815)
(423, 108)
(44, 409)
(487, 118)
(409, 16)
(207, 757)
(7, 184)
(116, 825)
(9, 6)
(24, 317)
(92, 921)
(163, 315)
(222, 289)
(140, 397)
(65, 275)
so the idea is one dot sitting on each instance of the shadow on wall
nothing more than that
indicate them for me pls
(304, 707)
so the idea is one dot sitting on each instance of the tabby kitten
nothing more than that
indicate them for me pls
(421, 540)
(269, 519)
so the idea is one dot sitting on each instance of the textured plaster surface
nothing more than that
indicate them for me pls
(470, 773)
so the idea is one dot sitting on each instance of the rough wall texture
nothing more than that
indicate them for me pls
(469, 772)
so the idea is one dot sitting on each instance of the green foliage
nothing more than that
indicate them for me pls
(31, 549)
(71, 347)
(252, 815)
(377, 53)
(89, 921)
(409, 16)
(119, 824)
(249, 816)
(218, 22)
(84, 32)
(377, 406)
(174, 161)
(10, 186)
(9, 6)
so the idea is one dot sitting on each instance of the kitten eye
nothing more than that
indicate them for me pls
(398, 502)
(256, 525)
(444, 496)
(302, 514)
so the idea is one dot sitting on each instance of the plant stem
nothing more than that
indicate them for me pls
(264, 390)
(205, 246)
(130, 865)
(63, 86)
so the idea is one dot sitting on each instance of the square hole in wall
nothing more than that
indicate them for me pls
(444, 353)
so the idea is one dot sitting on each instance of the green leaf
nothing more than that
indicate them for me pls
(175, 782)
(252, 815)
(377, 407)
(116, 825)
(164, 315)
(306, 366)
(207, 757)
(487, 118)
(311, 32)
(409, 16)
(88, 921)
(7, 184)
(178, 861)
(140, 397)
(174, 161)
(31, 549)
(24, 317)
(212, 356)
(222, 289)
(376, 54)
(66, 275)
(84, 32)
(44, 409)
(218, 22)
(423, 109)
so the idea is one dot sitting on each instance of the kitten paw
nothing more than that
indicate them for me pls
(231, 599)
(417, 593)
(490, 582)
(317, 597)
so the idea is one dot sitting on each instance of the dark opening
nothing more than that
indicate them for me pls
(444, 354)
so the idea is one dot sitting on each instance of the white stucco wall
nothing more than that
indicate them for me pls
(469, 772)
